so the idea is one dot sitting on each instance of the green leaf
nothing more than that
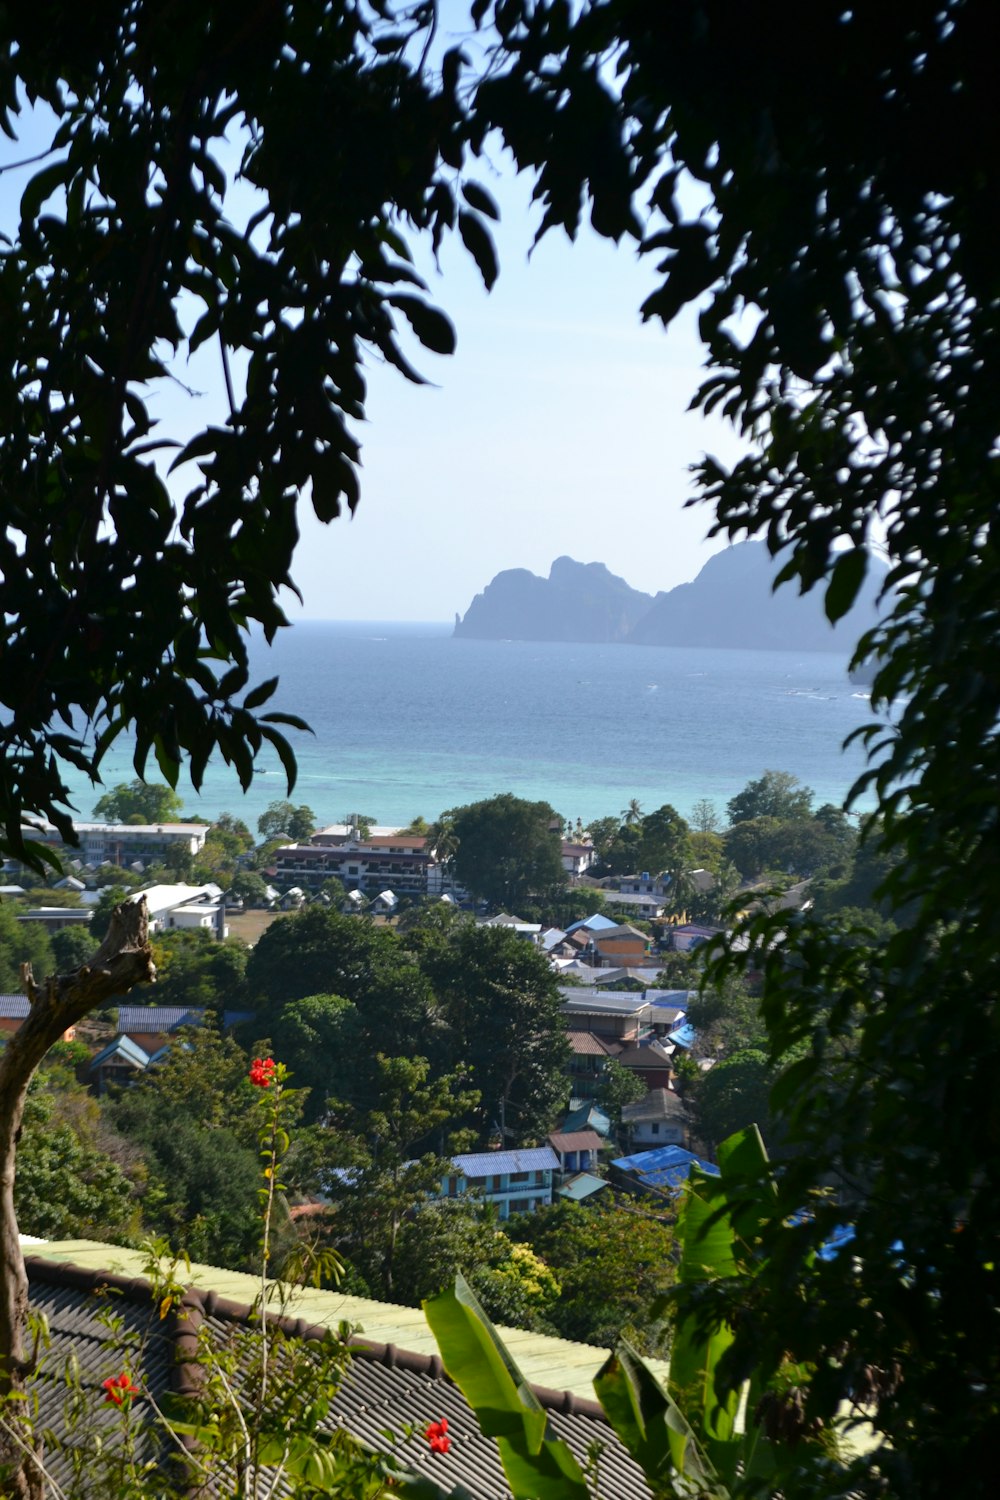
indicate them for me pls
(260, 694)
(650, 1424)
(846, 579)
(479, 242)
(478, 198)
(538, 1465)
(430, 325)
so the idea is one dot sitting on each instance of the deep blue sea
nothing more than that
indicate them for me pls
(407, 720)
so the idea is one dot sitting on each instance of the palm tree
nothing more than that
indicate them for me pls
(633, 813)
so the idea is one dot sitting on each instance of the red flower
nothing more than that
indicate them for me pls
(118, 1389)
(262, 1071)
(437, 1436)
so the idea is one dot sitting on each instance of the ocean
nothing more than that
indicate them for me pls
(408, 721)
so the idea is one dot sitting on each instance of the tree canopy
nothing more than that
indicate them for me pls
(139, 802)
(820, 183)
(507, 849)
(840, 247)
(172, 208)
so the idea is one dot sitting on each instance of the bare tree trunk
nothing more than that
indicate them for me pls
(123, 960)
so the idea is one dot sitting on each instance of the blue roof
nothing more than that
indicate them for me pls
(683, 1035)
(170, 1017)
(14, 1007)
(490, 1163)
(587, 1115)
(582, 1186)
(665, 1168)
(595, 923)
(122, 1047)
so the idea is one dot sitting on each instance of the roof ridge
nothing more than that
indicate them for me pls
(198, 1303)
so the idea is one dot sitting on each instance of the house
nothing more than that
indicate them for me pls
(399, 862)
(621, 1015)
(585, 1115)
(185, 908)
(354, 904)
(577, 858)
(127, 844)
(153, 1026)
(530, 930)
(635, 904)
(394, 1383)
(386, 904)
(619, 944)
(577, 1150)
(57, 918)
(582, 1187)
(14, 1012)
(650, 1061)
(658, 1120)
(688, 935)
(516, 1181)
(119, 1062)
(663, 1171)
(588, 1062)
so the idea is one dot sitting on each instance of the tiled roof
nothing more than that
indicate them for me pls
(586, 1044)
(387, 1386)
(492, 1163)
(14, 1007)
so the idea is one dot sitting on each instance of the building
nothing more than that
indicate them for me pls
(621, 1016)
(399, 864)
(658, 1120)
(516, 1181)
(394, 1383)
(13, 1014)
(124, 844)
(663, 1171)
(185, 908)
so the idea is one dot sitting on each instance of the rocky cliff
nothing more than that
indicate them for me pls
(730, 604)
(577, 602)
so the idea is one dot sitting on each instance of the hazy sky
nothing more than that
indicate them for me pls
(559, 427)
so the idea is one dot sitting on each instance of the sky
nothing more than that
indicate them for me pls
(559, 427)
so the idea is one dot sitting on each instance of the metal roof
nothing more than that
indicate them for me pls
(14, 1007)
(610, 1002)
(666, 1168)
(557, 1364)
(497, 1163)
(122, 1047)
(390, 1384)
(583, 1185)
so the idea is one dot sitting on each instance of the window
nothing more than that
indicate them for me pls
(519, 1176)
(655, 1129)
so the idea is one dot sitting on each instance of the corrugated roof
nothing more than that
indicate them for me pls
(14, 1007)
(493, 1163)
(665, 1168)
(575, 1140)
(659, 1104)
(386, 1387)
(557, 1364)
(122, 1047)
(583, 1185)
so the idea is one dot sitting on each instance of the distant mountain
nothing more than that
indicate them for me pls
(730, 604)
(577, 602)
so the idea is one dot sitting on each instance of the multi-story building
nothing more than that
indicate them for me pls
(396, 862)
(516, 1181)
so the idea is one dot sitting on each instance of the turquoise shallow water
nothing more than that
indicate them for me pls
(407, 720)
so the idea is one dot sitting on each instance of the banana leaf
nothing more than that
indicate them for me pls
(538, 1465)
